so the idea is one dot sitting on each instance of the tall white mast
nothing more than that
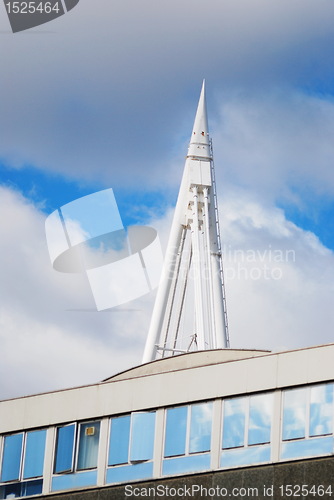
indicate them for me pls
(193, 260)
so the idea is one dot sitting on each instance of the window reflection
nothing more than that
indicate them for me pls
(188, 438)
(294, 413)
(321, 410)
(76, 453)
(12, 451)
(260, 416)
(188, 429)
(307, 447)
(74, 480)
(200, 428)
(307, 431)
(34, 454)
(119, 440)
(186, 463)
(23, 456)
(307, 415)
(176, 430)
(142, 436)
(22, 459)
(21, 489)
(247, 423)
(64, 449)
(131, 447)
(234, 422)
(125, 473)
(245, 456)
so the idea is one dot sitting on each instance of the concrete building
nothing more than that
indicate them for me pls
(226, 419)
(212, 423)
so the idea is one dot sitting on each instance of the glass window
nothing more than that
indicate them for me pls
(74, 480)
(77, 447)
(188, 429)
(260, 414)
(131, 447)
(64, 449)
(142, 436)
(307, 420)
(34, 454)
(200, 428)
(11, 490)
(294, 413)
(186, 463)
(21, 489)
(126, 473)
(119, 440)
(247, 425)
(188, 438)
(246, 455)
(321, 410)
(11, 461)
(89, 436)
(247, 420)
(176, 430)
(132, 438)
(234, 422)
(307, 447)
(22, 459)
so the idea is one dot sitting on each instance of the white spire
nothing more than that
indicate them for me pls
(199, 146)
(189, 310)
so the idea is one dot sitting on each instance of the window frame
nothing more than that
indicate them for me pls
(247, 398)
(246, 422)
(187, 451)
(75, 448)
(307, 424)
(21, 479)
(130, 462)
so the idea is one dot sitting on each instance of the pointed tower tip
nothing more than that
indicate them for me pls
(200, 141)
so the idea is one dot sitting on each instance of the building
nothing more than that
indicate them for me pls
(230, 419)
(214, 422)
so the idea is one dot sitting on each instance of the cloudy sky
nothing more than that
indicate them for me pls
(105, 96)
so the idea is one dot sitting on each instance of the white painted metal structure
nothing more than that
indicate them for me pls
(193, 262)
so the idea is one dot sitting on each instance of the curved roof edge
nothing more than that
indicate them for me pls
(187, 360)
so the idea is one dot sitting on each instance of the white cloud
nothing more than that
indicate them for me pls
(278, 146)
(104, 93)
(50, 333)
(279, 279)
(279, 288)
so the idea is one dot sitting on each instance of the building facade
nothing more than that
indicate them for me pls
(222, 420)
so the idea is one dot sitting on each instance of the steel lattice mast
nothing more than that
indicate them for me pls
(193, 260)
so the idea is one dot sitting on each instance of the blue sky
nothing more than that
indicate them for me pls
(51, 191)
(48, 191)
(317, 217)
(105, 98)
